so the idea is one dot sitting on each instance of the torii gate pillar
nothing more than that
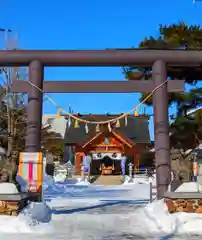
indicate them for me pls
(34, 108)
(161, 128)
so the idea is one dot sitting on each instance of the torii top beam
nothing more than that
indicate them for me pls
(135, 57)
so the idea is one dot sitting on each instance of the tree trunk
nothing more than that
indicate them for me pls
(10, 135)
(10, 166)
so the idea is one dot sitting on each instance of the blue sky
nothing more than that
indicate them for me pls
(90, 24)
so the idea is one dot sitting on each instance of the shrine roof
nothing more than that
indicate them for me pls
(136, 130)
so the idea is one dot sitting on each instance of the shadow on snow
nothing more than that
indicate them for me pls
(106, 203)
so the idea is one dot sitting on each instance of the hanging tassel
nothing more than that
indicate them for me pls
(97, 128)
(76, 124)
(86, 128)
(126, 120)
(69, 121)
(118, 125)
(109, 127)
(59, 113)
(136, 112)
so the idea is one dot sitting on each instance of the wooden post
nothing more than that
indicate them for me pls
(161, 128)
(34, 108)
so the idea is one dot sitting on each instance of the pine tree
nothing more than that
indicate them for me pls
(186, 130)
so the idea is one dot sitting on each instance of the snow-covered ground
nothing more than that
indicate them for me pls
(89, 212)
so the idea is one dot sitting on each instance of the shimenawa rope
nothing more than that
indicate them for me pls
(98, 122)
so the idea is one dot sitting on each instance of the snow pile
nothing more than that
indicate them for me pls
(66, 181)
(127, 180)
(140, 178)
(32, 216)
(38, 212)
(22, 224)
(8, 188)
(9, 224)
(150, 222)
(188, 187)
(34, 219)
(84, 182)
(60, 175)
(158, 222)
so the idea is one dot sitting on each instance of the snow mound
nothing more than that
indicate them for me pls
(9, 224)
(34, 219)
(8, 188)
(157, 221)
(60, 176)
(139, 179)
(38, 212)
(22, 224)
(188, 187)
(82, 182)
(150, 222)
(127, 180)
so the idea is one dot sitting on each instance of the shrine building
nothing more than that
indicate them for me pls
(106, 145)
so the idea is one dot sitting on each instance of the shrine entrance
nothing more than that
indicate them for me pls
(105, 166)
(158, 87)
(106, 150)
(110, 166)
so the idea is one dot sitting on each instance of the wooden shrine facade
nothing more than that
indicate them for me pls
(127, 140)
(158, 60)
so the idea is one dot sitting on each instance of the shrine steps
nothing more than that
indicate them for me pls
(108, 180)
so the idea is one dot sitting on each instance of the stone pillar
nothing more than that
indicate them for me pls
(34, 108)
(161, 128)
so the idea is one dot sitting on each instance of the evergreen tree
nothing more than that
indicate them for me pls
(186, 131)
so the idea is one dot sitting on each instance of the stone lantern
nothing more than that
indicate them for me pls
(69, 168)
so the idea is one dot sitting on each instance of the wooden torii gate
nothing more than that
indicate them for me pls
(158, 59)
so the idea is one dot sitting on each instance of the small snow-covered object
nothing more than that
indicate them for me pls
(8, 188)
(39, 211)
